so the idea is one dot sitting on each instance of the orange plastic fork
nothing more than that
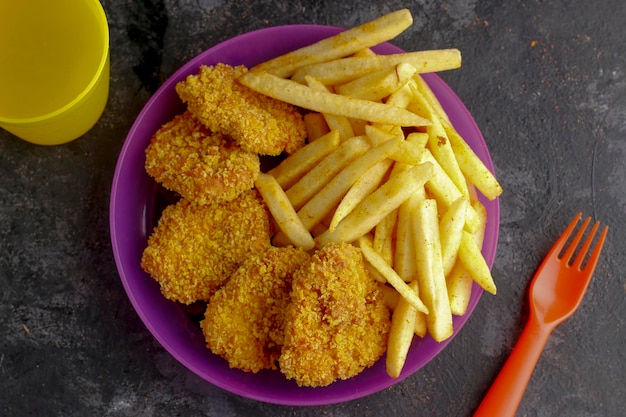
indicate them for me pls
(555, 292)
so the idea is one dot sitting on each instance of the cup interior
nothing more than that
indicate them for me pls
(51, 54)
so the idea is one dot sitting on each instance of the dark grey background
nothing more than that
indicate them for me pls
(545, 82)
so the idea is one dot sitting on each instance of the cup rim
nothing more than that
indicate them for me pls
(104, 59)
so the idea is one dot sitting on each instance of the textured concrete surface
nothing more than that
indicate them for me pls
(545, 82)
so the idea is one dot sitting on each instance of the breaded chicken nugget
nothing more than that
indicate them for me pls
(258, 123)
(244, 320)
(195, 248)
(337, 323)
(185, 157)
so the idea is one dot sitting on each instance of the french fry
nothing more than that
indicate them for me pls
(282, 211)
(314, 180)
(334, 122)
(373, 271)
(364, 52)
(404, 253)
(450, 231)
(472, 167)
(326, 102)
(408, 153)
(315, 126)
(404, 260)
(384, 235)
(439, 143)
(366, 184)
(400, 334)
(330, 195)
(459, 281)
(430, 97)
(343, 70)
(432, 282)
(475, 264)
(378, 136)
(377, 205)
(402, 96)
(418, 139)
(343, 44)
(445, 191)
(390, 275)
(295, 166)
(391, 296)
(378, 85)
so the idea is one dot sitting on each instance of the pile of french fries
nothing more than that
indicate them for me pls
(384, 169)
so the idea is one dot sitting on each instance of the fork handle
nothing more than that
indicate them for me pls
(507, 391)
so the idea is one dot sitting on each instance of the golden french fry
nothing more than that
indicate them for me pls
(340, 45)
(445, 191)
(282, 211)
(404, 252)
(404, 260)
(378, 85)
(295, 166)
(440, 185)
(408, 153)
(390, 275)
(432, 282)
(315, 126)
(330, 195)
(450, 231)
(475, 264)
(402, 96)
(343, 70)
(367, 183)
(378, 136)
(363, 52)
(377, 205)
(421, 324)
(418, 139)
(325, 102)
(334, 122)
(390, 294)
(400, 334)
(430, 97)
(472, 167)
(459, 281)
(439, 144)
(375, 274)
(383, 236)
(314, 180)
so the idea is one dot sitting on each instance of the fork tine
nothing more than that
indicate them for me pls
(595, 255)
(577, 263)
(562, 240)
(569, 252)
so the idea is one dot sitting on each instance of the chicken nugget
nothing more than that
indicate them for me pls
(195, 248)
(185, 157)
(337, 323)
(258, 123)
(244, 320)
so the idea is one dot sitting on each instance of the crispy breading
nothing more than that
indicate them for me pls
(258, 123)
(244, 320)
(195, 248)
(337, 323)
(185, 157)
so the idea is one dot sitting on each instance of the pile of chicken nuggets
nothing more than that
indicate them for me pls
(316, 316)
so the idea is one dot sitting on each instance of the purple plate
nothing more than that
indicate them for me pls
(132, 211)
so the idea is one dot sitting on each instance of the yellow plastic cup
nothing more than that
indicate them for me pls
(54, 68)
